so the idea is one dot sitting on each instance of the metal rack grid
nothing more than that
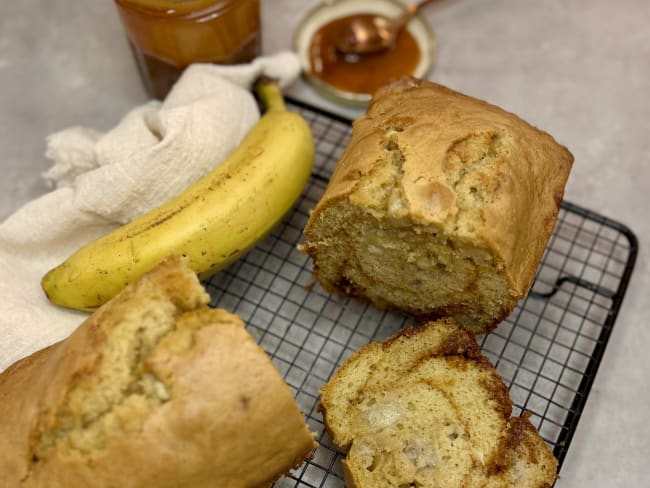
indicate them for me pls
(547, 351)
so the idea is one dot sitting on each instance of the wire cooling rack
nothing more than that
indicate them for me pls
(547, 351)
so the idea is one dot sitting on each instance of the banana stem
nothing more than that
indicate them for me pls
(269, 92)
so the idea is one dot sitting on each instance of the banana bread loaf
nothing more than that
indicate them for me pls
(153, 390)
(425, 409)
(440, 205)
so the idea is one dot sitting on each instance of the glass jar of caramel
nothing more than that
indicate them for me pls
(168, 35)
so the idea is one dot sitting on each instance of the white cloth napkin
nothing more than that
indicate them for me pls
(106, 179)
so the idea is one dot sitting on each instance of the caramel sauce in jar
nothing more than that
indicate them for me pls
(168, 35)
(359, 73)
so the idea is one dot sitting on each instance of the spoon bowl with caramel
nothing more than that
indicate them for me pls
(364, 34)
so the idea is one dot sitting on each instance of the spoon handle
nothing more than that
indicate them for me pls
(409, 12)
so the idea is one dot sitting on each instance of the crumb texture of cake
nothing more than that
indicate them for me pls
(154, 389)
(426, 409)
(440, 205)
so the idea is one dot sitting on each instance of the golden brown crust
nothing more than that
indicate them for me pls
(204, 421)
(440, 118)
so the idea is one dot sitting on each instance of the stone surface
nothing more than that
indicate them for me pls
(579, 70)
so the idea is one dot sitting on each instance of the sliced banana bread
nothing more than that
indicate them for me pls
(440, 205)
(153, 390)
(426, 409)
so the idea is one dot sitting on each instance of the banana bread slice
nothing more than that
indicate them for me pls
(440, 205)
(426, 409)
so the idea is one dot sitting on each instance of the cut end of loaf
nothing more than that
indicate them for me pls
(415, 269)
(374, 246)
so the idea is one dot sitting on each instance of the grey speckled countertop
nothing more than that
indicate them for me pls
(578, 69)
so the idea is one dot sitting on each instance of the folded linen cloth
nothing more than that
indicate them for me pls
(105, 180)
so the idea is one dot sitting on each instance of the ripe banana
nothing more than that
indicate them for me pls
(212, 223)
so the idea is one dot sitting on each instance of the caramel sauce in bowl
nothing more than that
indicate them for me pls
(351, 78)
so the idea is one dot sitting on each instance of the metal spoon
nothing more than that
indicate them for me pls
(364, 34)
